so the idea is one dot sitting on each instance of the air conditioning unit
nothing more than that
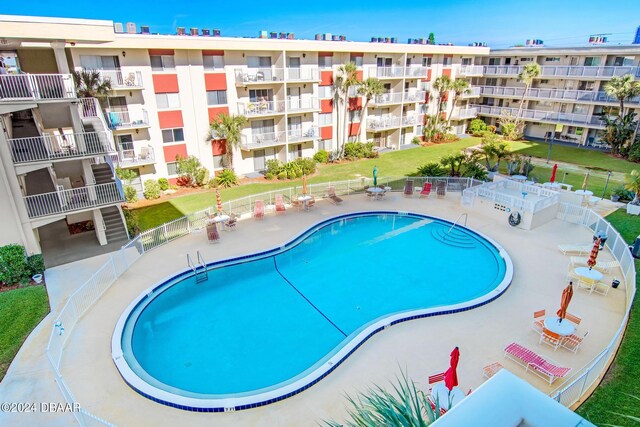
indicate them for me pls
(117, 27)
(131, 28)
(194, 31)
(144, 29)
(180, 31)
(206, 32)
(216, 32)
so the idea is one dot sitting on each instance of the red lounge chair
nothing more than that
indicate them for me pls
(280, 204)
(426, 189)
(435, 378)
(544, 368)
(258, 209)
(212, 232)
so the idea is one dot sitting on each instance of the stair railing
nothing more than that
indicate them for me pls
(465, 215)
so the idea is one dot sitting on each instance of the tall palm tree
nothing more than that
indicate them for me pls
(369, 88)
(622, 88)
(89, 84)
(458, 86)
(526, 76)
(441, 85)
(229, 128)
(346, 79)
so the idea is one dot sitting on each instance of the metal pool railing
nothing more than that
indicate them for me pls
(120, 261)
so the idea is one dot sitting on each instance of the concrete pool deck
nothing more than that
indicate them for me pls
(420, 346)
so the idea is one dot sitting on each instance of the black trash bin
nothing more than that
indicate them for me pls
(615, 283)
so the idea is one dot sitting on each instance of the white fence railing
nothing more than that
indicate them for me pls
(119, 262)
(62, 201)
(64, 146)
(260, 140)
(127, 119)
(471, 70)
(294, 135)
(19, 87)
(464, 113)
(564, 70)
(297, 103)
(258, 75)
(495, 191)
(541, 115)
(261, 108)
(554, 94)
(120, 80)
(302, 74)
(382, 122)
(387, 98)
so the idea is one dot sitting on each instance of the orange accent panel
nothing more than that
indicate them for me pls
(326, 105)
(160, 51)
(326, 78)
(170, 119)
(448, 56)
(214, 111)
(172, 151)
(326, 132)
(355, 103)
(173, 181)
(429, 74)
(165, 83)
(325, 53)
(357, 54)
(219, 147)
(215, 81)
(354, 128)
(446, 72)
(445, 96)
(213, 52)
(359, 75)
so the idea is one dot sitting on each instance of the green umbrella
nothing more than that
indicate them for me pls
(375, 176)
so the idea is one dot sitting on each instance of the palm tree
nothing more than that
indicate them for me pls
(458, 86)
(369, 88)
(441, 85)
(633, 184)
(89, 84)
(526, 76)
(229, 128)
(622, 88)
(347, 77)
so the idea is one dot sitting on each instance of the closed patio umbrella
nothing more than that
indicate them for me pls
(451, 376)
(585, 182)
(594, 253)
(375, 176)
(567, 294)
(304, 184)
(219, 201)
(553, 173)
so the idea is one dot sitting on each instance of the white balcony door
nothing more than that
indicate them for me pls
(262, 127)
(258, 160)
(293, 95)
(294, 67)
(294, 126)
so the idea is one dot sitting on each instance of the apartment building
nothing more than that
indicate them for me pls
(567, 100)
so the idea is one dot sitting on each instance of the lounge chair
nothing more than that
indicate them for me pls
(435, 378)
(538, 320)
(441, 189)
(231, 222)
(572, 249)
(490, 370)
(212, 233)
(550, 338)
(408, 188)
(280, 204)
(258, 209)
(331, 195)
(573, 342)
(603, 266)
(426, 190)
(545, 368)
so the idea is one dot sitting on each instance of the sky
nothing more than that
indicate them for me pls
(499, 23)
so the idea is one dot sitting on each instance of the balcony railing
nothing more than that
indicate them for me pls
(63, 201)
(128, 158)
(415, 71)
(387, 72)
(471, 70)
(565, 71)
(474, 92)
(415, 95)
(127, 119)
(56, 147)
(261, 108)
(23, 87)
(542, 116)
(261, 140)
(553, 94)
(302, 103)
(376, 123)
(387, 98)
(464, 113)
(297, 135)
(413, 120)
(246, 76)
(120, 80)
(302, 74)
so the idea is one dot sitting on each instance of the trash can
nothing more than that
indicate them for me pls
(635, 249)
(615, 283)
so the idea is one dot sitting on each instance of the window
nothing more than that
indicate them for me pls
(324, 119)
(93, 62)
(426, 61)
(622, 61)
(172, 135)
(494, 61)
(125, 142)
(357, 60)
(216, 97)
(527, 59)
(162, 62)
(256, 95)
(552, 59)
(213, 62)
(259, 61)
(172, 168)
(544, 82)
(446, 61)
(324, 144)
(325, 61)
(580, 109)
(325, 92)
(167, 100)
(218, 162)
(466, 61)
(591, 61)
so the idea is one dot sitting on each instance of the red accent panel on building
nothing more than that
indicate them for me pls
(359, 75)
(356, 54)
(215, 81)
(325, 53)
(165, 83)
(446, 72)
(326, 132)
(172, 151)
(354, 129)
(445, 96)
(429, 74)
(326, 78)
(160, 51)
(173, 181)
(213, 52)
(326, 105)
(170, 119)
(214, 111)
(218, 147)
(355, 103)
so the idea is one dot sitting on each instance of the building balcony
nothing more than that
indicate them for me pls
(123, 80)
(261, 140)
(75, 199)
(474, 92)
(302, 74)
(258, 76)
(302, 104)
(553, 117)
(464, 113)
(411, 120)
(393, 72)
(36, 87)
(134, 158)
(554, 94)
(119, 120)
(49, 147)
(387, 98)
(300, 135)
(261, 108)
(415, 71)
(378, 123)
(415, 95)
(565, 71)
(471, 70)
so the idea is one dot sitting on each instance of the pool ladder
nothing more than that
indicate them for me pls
(200, 272)
(465, 215)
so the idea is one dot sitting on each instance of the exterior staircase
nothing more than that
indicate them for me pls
(115, 230)
(102, 173)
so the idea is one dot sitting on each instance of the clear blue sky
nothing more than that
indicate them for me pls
(500, 23)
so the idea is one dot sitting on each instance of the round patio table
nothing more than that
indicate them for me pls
(594, 275)
(563, 328)
(440, 394)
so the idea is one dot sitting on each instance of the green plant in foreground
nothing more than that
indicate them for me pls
(163, 183)
(130, 194)
(227, 178)
(151, 189)
(13, 264)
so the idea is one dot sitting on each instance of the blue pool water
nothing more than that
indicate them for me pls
(261, 323)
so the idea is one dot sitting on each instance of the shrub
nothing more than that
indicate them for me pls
(634, 152)
(192, 173)
(183, 181)
(126, 175)
(164, 184)
(431, 169)
(227, 178)
(130, 194)
(35, 264)
(491, 128)
(474, 170)
(416, 140)
(13, 264)
(359, 150)
(450, 137)
(307, 165)
(151, 189)
(623, 193)
(274, 166)
(282, 175)
(477, 126)
(212, 183)
(133, 223)
(322, 156)
(269, 176)
(202, 176)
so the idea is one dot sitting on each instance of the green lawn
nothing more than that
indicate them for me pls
(395, 163)
(20, 311)
(612, 396)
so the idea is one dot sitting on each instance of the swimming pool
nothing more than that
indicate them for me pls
(266, 326)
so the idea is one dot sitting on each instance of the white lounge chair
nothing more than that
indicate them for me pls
(603, 266)
(572, 249)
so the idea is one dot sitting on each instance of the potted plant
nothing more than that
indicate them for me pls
(619, 193)
(633, 184)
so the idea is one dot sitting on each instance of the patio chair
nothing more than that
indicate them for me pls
(441, 189)
(573, 318)
(601, 288)
(295, 202)
(331, 195)
(212, 233)
(573, 342)
(579, 249)
(408, 188)
(144, 153)
(586, 284)
(231, 222)
(538, 320)
(545, 368)
(426, 190)
(280, 204)
(258, 209)
(310, 203)
(550, 338)
(435, 378)
(490, 370)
